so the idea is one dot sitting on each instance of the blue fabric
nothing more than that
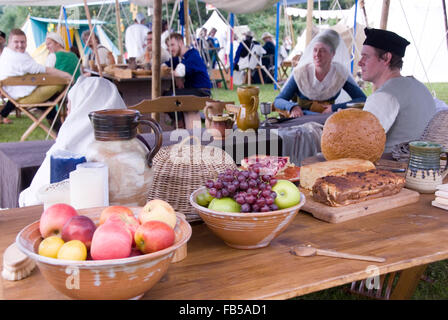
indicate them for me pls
(283, 100)
(196, 75)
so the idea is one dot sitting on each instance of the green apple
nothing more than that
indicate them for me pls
(203, 199)
(224, 205)
(288, 194)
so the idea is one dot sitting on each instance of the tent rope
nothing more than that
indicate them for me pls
(416, 49)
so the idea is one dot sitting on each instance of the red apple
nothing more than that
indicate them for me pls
(153, 236)
(79, 228)
(129, 222)
(111, 241)
(109, 211)
(54, 218)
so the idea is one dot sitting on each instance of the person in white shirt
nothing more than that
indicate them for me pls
(76, 133)
(103, 52)
(135, 37)
(146, 57)
(14, 61)
(165, 34)
(403, 105)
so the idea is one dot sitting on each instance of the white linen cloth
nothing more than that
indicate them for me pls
(135, 39)
(300, 142)
(76, 133)
(14, 63)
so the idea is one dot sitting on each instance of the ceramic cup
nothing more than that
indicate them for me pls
(424, 172)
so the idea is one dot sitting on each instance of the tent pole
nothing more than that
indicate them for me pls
(232, 23)
(384, 14)
(95, 49)
(120, 36)
(309, 21)
(156, 42)
(354, 37)
(277, 31)
(363, 6)
(186, 22)
(445, 20)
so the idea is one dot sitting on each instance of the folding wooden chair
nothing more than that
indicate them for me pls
(35, 80)
(190, 105)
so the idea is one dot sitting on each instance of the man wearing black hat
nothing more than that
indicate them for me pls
(2, 41)
(403, 105)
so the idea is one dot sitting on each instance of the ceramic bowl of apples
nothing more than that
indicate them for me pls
(114, 252)
(246, 208)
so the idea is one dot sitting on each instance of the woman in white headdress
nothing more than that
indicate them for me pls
(60, 58)
(322, 72)
(76, 133)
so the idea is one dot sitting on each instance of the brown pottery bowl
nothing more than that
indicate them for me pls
(250, 230)
(127, 278)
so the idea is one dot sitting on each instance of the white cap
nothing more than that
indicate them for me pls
(266, 35)
(56, 38)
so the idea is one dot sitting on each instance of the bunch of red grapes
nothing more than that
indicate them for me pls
(250, 188)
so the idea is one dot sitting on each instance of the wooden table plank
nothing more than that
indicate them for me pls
(407, 237)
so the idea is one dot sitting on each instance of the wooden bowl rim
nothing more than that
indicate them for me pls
(106, 263)
(243, 214)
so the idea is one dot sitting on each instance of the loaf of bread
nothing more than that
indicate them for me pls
(355, 187)
(353, 133)
(310, 173)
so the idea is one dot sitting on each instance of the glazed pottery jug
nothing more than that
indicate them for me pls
(247, 117)
(424, 173)
(127, 155)
(221, 125)
(213, 108)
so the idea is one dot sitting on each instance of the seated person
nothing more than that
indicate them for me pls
(14, 61)
(76, 133)
(248, 58)
(60, 58)
(403, 105)
(267, 60)
(146, 57)
(103, 52)
(323, 71)
(189, 70)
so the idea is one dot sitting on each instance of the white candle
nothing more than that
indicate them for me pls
(89, 185)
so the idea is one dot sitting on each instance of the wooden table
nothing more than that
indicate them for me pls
(134, 90)
(408, 237)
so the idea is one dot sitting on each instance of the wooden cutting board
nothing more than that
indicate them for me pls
(356, 210)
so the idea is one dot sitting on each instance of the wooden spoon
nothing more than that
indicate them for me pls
(306, 251)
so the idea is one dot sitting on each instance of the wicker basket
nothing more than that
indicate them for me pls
(180, 169)
(435, 131)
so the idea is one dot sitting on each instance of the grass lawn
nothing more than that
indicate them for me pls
(434, 287)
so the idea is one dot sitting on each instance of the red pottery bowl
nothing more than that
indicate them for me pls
(127, 278)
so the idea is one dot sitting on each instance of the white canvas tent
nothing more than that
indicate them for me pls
(422, 24)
